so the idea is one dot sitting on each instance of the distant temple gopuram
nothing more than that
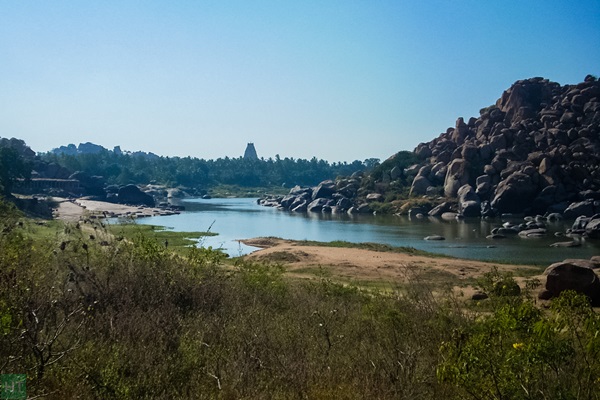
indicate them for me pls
(250, 152)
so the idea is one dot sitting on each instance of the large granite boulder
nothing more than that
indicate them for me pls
(374, 197)
(578, 209)
(92, 185)
(514, 193)
(419, 186)
(592, 228)
(324, 190)
(577, 275)
(457, 175)
(523, 99)
(440, 209)
(468, 201)
(131, 194)
(343, 204)
(317, 205)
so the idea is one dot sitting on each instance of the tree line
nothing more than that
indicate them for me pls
(194, 172)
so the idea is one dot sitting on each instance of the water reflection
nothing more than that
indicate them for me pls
(235, 219)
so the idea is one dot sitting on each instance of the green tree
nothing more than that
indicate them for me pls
(12, 167)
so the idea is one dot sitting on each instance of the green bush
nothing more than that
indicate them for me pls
(521, 352)
(133, 319)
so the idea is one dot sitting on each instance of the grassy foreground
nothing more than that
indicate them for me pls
(176, 241)
(133, 319)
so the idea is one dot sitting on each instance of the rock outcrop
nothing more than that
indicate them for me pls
(576, 275)
(131, 194)
(536, 151)
(327, 197)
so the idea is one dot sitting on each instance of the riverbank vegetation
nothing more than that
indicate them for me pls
(132, 319)
(179, 242)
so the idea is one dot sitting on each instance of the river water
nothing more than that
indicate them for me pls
(235, 219)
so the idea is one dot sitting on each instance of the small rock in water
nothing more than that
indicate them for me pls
(435, 237)
(573, 243)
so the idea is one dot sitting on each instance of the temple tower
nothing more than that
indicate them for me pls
(250, 152)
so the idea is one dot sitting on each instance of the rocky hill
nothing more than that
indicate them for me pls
(536, 150)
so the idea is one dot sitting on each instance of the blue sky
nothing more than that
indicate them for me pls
(339, 80)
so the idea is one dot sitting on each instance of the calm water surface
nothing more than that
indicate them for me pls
(235, 219)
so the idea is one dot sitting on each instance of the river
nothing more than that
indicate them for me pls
(242, 218)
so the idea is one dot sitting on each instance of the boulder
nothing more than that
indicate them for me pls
(434, 237)
(576, 275)
(466, 193)
(449, 216)
(316, 205)
(419, 186)
(342, 203)
(324, 190)
(469, 152)
(374, 197)
(423, 151)
(395, 173)
(298, 190)
(532, 233)
(592, 228)
(92, 185)
(514, 193)
(525, 97)
(438, 173)
(578, 209)
(570, 243)
(287, 201)
(415, 211)
(438, 210)
(456, 176)
(486, 210)
(470, 208)
(299, 207)
(434, 191)
(580, 223)
(299, 201)
(363, 208)
(131, 194)
(483, 190)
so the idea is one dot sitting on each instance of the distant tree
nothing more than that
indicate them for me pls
(12, 167)
(371, 163)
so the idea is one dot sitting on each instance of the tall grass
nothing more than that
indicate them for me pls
(131, 319)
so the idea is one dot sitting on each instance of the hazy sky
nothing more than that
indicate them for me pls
(339, 80)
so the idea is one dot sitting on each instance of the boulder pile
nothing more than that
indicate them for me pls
(536, 151)
(339, 196)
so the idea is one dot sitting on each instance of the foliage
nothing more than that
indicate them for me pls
(199, 173)
(401, 160)
(519, 352)
(111, 319)
(12, 167)
(178, 241)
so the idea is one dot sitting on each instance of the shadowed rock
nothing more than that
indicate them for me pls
(577, 275)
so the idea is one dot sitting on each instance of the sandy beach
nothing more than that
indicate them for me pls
(77, 209)
(380, 268)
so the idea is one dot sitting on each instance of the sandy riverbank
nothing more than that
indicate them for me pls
(76, 209)
(378, 268)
